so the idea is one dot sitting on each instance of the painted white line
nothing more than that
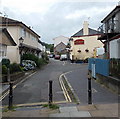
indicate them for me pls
(94, 90)
(3, 96)
(25, 78)
(63, 63)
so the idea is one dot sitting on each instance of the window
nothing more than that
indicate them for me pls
(23, 32)
(86, 50)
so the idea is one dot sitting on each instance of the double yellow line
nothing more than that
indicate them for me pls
(67, 97)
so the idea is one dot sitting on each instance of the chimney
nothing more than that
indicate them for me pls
(85, 28)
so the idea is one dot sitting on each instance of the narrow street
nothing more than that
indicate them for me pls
(35, 88)
(79, 82)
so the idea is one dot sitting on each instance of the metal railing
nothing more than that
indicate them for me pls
(112, 27)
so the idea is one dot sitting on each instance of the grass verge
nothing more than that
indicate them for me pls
(52, 106)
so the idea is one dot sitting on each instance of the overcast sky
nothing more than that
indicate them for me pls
(52, 18)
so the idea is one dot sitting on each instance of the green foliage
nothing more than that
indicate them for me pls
(45, 57)
(39, 61)
(49, 46)
(15, 68)
(51, 106)
(54, 106)
(4, 69)
(6, 62)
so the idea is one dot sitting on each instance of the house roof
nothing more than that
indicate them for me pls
(7, 21)
(113, 12)
(4, 30)
(61, 43)
(29, 47)
(61, 37)
(91, 32)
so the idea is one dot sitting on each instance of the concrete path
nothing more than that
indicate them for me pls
(70, 112)
(98, 110)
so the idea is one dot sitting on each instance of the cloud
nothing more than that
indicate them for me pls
(54, 18)
(88, 12)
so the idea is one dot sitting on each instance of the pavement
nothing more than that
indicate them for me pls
(97, 110)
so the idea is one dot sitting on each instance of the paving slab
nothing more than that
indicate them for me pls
(102, 113)
(71, 114)
(107, 106)
(80, 114)
(68, 109)
(86, 108)
(67, 114)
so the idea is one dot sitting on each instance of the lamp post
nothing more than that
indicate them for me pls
(21, 41)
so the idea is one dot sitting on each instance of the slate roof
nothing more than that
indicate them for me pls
(4, 30)
(8, 21)
(112, 13)
(91, 32)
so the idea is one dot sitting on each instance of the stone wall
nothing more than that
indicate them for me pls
(108, 81)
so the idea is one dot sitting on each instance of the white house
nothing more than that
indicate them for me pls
(5, 40)
(60, 39)
(84, 42)
(26, 39)
(115, 47)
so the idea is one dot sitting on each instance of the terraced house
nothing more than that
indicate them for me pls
(26, 39)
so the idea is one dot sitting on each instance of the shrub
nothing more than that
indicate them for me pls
(15, 68)
(6, 62)
(39, 61)
(4, 69)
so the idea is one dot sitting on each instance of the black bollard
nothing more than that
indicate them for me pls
(50, 92)
(8, 75)
(10, 96)
(89, 91)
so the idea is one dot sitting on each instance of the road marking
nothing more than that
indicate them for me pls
(62, 87)
(67, 97)
(25, 78)
(72, 89)
(94, 90)
(63, 63)
(3, 96)
(35, 104)
(66, 92)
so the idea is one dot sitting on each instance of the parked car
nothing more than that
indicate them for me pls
(63, 57)
(57, 57)
(28, 64)
(51, 56)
